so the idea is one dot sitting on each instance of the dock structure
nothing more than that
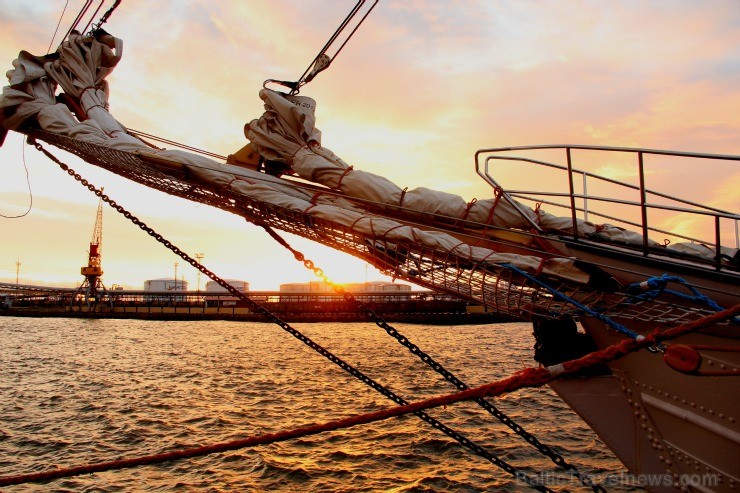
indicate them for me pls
(407, 305)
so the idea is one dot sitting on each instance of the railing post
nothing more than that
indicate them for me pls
(717, 244)
(572, 192)
(643, 201)
(585, 197)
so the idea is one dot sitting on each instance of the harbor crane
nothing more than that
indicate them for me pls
(92, 288)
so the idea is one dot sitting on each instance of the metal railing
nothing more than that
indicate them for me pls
(486, 158)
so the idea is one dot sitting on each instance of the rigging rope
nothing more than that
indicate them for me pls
(459, 437)
(28, 182)
(526, 378)
(107, 15)
(56, 29)
(558, 459)
(141, 135)
(322, 61)
(653, 287)
(100, 5)
(80, 15)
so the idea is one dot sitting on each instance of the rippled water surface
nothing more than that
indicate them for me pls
(81, 391)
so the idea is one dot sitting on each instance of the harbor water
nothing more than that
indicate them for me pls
(79, 391)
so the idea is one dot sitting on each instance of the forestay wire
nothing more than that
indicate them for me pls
(323, 60)
(81, 15)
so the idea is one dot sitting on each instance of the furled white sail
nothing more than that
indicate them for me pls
(285, 131)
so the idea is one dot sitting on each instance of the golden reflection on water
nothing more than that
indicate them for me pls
(80, 391)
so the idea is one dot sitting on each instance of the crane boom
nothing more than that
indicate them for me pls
(94, 267)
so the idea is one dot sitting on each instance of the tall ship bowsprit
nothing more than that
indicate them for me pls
(655, 370)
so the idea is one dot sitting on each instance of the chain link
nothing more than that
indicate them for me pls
(460, 438)
(544, 449)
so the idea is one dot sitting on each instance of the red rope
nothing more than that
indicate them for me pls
(227, 187)
(497, 192)
(537, 213)
(529, 377)
(540, 267)
(346, 172)
(403, 195)
(292, 156)
(468, 207)
(315, 198)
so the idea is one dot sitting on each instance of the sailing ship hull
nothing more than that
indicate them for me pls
(674, 431)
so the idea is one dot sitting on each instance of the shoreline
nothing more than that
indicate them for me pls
(427, 318)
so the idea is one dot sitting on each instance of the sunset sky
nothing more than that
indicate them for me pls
(421, 87)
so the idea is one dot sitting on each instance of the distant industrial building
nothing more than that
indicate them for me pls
(214, 287)
(306, 287)
(376, 286)
(322, 287)
(165, 284)
(320, 291)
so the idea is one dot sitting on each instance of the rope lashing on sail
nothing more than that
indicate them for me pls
(345, 173)
(468, 206)
(459, 437)
(498, 193)
(526, 378)
(544, 449)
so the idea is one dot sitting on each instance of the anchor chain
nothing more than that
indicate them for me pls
(544, 449)
(458, 437)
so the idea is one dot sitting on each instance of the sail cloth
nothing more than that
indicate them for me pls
(277, 138)
(30, 91)
(280, 135)
(285, 131)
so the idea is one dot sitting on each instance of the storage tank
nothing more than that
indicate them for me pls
(377, 286)
(214, 287)
(306, 287)
(165, 284)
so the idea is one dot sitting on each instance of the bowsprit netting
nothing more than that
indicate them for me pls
(497, 287)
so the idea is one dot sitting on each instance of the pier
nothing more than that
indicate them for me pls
(302, 306)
